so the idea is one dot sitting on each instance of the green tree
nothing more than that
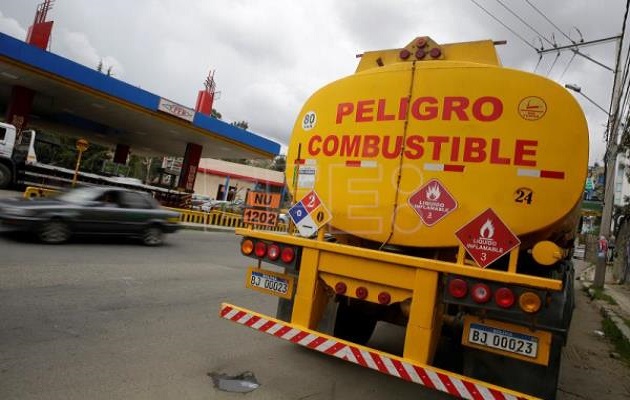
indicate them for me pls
(216, 114)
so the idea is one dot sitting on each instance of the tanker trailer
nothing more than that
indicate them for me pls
(437, 190)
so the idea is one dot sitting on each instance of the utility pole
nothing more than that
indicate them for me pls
(610, 161)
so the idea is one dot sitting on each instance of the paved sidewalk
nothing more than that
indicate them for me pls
(619, 293)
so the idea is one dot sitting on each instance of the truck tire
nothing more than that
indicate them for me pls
(537, 380)
(5, 176)
(353, 323)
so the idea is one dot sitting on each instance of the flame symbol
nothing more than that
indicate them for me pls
(433, 192)
(487, 230)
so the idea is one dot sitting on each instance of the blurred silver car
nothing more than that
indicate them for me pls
(90, 211)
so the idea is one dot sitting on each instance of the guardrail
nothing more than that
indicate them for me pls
(219, 218)
(215, 217)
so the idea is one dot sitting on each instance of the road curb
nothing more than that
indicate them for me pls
(609, 312)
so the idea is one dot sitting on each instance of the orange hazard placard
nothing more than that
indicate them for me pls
(263, 199)
(260, 217)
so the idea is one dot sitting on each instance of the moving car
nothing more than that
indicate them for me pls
(91, 211)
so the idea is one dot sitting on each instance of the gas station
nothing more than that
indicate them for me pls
(42, 90)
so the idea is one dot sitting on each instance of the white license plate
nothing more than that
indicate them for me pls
(270, 282)
(501, 339)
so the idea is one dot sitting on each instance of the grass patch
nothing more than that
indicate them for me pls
(622, 346)
(598, 294)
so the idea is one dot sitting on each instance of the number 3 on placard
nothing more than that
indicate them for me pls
(311, 201)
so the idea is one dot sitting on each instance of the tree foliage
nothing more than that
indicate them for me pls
(241, 124)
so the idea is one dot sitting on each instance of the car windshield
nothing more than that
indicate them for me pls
(79, 196)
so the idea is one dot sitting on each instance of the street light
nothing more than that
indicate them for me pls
(578, 89)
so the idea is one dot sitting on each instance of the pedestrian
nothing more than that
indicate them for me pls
(602, 247)
(611, 248)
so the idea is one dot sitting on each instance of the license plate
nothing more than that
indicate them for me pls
(502, 339)
(269, 282)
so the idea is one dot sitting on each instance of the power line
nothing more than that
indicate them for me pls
(524, 22)
(504, 25)
(548, 20)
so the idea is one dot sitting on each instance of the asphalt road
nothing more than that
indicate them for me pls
(96, 319)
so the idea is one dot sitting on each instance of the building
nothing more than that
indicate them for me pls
(214, 176)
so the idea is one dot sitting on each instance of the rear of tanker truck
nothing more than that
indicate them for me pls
(436, 190)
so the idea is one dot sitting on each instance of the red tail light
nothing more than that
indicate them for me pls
(504, 297)
(384, 298)
(481, 293)
(361, 293)
(273, 252)
(340, 288)
(260, 249)
(458, 288)
(288, 254)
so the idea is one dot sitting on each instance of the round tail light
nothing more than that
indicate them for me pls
(247, 247)
(384, 298)
(480, 293)
(504, 297)
(288, 255)
(340, 288)
(458, 288)
(361, 293)
(273, 252)
(404, 54)
(260, 249)
(529, 302)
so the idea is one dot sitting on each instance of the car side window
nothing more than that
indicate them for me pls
(135, 200)
(109, 199)
(3, 133)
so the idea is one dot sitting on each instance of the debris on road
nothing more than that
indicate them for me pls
(241, 383)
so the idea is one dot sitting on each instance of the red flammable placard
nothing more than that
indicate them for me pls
(432, 202)
(486, 238)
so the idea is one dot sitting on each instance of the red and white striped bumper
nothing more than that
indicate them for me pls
(433, 378)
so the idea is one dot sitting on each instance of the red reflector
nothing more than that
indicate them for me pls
(404, 54)
(361, 292)
(504, 297)
(480, 293)
(384, 298)
(458, 288)
(288, 254)
(260, 249)
(340, 288)
(273, 252)
(420, 54)
(435, 52)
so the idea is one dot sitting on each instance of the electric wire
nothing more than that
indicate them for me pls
(548, 20)
(504, 25)
(523, 21)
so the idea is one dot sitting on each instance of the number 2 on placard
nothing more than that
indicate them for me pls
(311, 201)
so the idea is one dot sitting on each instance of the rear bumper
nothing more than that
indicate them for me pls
(433, 378)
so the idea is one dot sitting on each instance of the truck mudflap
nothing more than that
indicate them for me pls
(433, 378)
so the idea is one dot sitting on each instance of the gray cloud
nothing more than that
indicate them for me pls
(271, 56)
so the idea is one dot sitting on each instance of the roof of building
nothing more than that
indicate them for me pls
(80, 101)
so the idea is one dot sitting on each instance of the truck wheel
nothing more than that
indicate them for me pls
(153, 236)
(537, 380)
(5, 176)
(54, 231)
(353, 323)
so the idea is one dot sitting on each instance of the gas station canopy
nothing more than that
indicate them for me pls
(71, 99)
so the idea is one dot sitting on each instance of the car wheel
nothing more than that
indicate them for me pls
(5, 176)
(54, 231)
(153, 236)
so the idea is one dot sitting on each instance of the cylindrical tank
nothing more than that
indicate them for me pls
(408, 153)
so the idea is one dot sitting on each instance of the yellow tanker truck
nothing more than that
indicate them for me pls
(437, 190)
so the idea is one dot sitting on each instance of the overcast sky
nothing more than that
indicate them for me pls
(269, 56)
